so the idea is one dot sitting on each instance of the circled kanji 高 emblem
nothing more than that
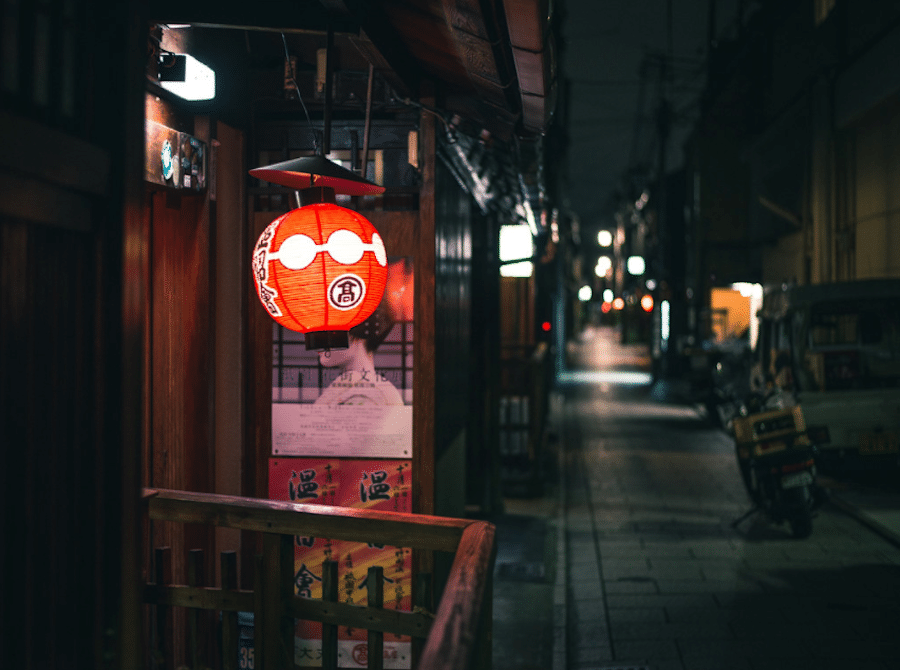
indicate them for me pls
(346, 292)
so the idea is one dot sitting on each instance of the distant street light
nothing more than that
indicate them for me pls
(604, 238)
(604, 265)
(635, 265)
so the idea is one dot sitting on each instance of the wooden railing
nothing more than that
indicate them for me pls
(456, 637)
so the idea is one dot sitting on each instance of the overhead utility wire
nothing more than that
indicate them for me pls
(287, 64)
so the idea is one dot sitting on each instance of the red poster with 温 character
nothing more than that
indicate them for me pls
(382, 484)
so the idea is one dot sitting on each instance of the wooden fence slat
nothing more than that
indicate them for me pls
(194, 578)
(278, 588)
(375, 596)
(259, 615)
(229, 636)
(423, 601)
(329, 631)
(286, 623)
(164, 649)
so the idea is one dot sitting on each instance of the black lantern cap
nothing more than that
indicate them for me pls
(327, 339)
(316, 171)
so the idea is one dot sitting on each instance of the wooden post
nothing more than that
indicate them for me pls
(484, 646)
(230, 648)
(464, 602)
(194, 578)
(423, 600)
(259, 615)
(164, 650)
(424, 362)
(277, 586)
(329, 632)
(375, 597)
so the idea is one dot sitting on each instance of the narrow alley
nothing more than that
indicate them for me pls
(651, 573)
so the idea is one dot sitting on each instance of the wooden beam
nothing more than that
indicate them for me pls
(415, 624)
(200, 597)
(276, 516)
(474, 47)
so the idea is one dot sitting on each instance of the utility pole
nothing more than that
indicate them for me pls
(663, 129)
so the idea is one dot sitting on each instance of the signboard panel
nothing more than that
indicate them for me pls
(361, 483)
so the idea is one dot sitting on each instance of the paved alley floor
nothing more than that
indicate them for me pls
(650, 572)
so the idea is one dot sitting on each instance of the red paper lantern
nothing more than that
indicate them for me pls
(320, 270)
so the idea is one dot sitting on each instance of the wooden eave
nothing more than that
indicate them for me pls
(490, 60)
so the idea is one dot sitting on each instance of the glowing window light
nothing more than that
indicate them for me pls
(608, 295)
(755, 293)
(618, 303)
(585, 293)
(199, 81)
(516, 242)
(647, 303)
(635, 265)
(604, 265)
(604, 238)
(664, 324)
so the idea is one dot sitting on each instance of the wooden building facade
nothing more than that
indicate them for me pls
(134, 351)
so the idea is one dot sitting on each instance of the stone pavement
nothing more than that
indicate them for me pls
(647, 570)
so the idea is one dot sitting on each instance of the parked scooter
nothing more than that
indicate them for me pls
(728, 388)
(777, 457)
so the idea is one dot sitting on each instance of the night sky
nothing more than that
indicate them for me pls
(611, 55)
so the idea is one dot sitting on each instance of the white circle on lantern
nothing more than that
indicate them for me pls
(346, 292)
(297, 252)
(378, 248)
(345, 247)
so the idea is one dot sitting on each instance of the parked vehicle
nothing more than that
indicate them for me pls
(777, 460)
(730, 387)
(718, 379)
(842, 344)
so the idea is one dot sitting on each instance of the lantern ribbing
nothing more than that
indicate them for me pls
(320, 268)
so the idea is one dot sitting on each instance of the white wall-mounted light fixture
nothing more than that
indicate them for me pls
(186, 77)
(604, 238)
(585, 293)
(516, 242)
